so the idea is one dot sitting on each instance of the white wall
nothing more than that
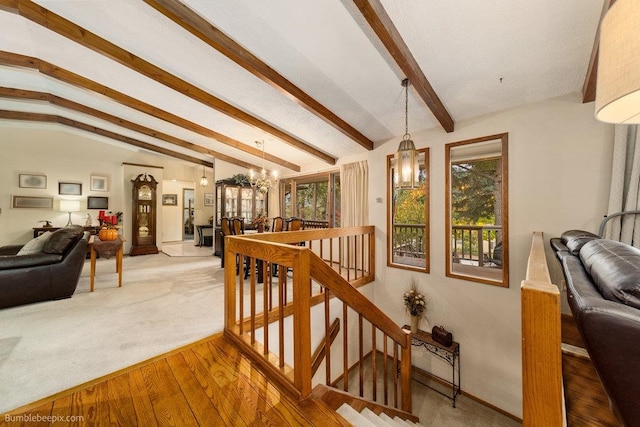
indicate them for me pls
(559, 168)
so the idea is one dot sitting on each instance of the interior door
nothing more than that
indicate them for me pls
(187, 213)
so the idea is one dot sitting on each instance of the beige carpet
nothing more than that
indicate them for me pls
(164, 303)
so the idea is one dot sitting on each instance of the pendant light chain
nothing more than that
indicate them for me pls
(406, 107)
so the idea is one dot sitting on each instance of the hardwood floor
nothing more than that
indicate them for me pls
(211, 383)
(206, 383)
(586, 401)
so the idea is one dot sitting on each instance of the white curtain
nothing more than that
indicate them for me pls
(354, 194)
(624, 194)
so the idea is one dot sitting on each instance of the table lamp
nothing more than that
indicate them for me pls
(69, 206)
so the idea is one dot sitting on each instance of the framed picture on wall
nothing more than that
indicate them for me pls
(170, 200)
(70, 188)
(32, 202)
(97, 202)
(99, 183)
(26, 180)
(208, 199)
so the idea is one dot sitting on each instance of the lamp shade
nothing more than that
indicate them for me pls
(618, 84)
(69, 205)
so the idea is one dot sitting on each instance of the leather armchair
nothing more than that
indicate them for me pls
(48, 275)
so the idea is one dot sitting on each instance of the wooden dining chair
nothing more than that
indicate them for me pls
(295, 224)
(238, 225)
(278, 224)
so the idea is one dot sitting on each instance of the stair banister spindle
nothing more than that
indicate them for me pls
(374, 354)
(328, 341)
(361, 356)
(345, 349)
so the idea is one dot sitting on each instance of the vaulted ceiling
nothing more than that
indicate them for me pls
(315, 79)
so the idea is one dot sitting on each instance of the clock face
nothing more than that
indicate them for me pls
(144, 193)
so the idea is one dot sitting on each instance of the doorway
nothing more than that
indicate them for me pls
(187, 213)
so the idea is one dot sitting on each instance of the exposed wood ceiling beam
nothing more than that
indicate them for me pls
(201, 28)
(82, 36)
(589, 85)
(388, 34)
(58, 73)
(50, 118)
(12, 93)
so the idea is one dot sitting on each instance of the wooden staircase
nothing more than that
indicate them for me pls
(275, 319)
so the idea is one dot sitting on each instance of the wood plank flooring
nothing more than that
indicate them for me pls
(586, 401)
(207, 383)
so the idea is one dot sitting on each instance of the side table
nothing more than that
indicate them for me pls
(450, 354)
(94, 251)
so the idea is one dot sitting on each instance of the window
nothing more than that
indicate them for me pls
(476, 203)
(313, 198)
(408, 219)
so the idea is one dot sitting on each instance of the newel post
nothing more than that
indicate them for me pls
(405, 374)
(302, 322)
(229, 286)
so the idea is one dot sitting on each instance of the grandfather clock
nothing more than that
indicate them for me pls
(143, 215)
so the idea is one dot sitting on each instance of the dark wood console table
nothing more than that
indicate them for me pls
(450, 354)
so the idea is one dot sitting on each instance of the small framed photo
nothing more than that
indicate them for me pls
(70, 188)
(26, 180)
(208, 199)
(32, 202)
(97, 202)
(170, 200)
(99, 183)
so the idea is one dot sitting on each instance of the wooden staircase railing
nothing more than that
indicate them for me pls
(276, 321)
(542, 389)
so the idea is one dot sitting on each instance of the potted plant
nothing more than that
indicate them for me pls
(416, 304)
(261, 222)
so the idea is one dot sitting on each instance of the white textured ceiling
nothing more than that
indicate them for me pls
(479, 56)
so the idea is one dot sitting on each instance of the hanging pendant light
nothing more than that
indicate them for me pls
(405, 171)
(204, 181)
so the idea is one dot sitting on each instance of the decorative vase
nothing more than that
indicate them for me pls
(414, 323)
(260, 228)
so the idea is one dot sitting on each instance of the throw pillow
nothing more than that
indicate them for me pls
(62, 240)
(575, 239)
(35, 246)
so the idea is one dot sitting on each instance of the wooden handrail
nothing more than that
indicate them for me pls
(542, 389)
(314, 266)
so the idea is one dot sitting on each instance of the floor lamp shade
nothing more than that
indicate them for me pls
(618, 84)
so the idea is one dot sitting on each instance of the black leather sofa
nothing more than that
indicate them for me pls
(50, 274)
(603, 291)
